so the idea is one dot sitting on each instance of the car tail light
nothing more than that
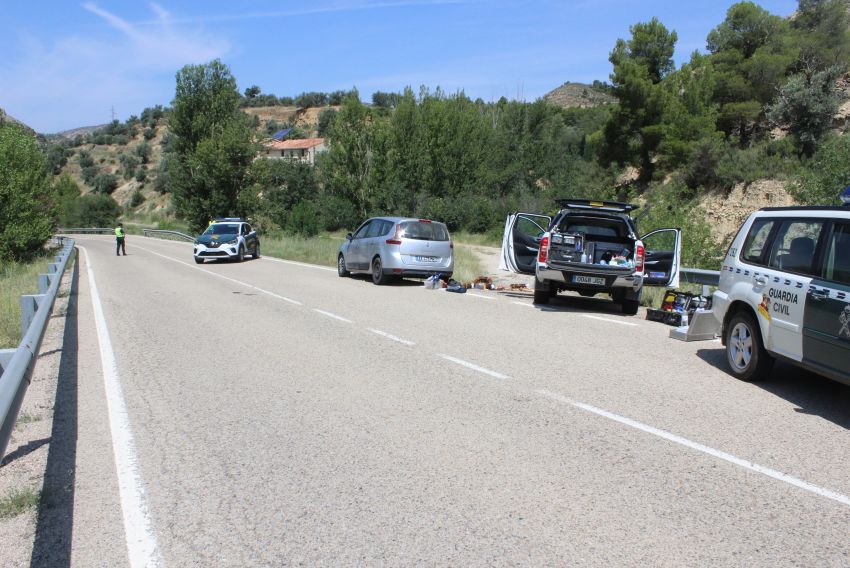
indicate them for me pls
(640, 253)
(424, 220)
(544, 250)
(395, 240)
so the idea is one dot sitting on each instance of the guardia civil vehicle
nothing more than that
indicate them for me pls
(229, 238)
(784, 292)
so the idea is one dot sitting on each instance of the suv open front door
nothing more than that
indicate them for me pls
(663, 261)
(521, 241)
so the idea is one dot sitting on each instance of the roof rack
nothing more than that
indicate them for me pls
(597, 205)
(227, 219)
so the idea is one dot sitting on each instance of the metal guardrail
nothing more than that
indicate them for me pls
(16, 365)
(164, 233)
(700, 276)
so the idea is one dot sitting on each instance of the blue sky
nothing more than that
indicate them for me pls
(65, 64)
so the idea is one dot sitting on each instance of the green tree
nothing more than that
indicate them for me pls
(93, 210)
(67, 192)
(823, 33)
(277, 186)
(348, 163)
(105, 183)
(212, 145)
(631, 135)
(27, 210)
(821, 182)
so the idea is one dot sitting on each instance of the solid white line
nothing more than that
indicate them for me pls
(523, 304)
(843, 499)
(304, 264)
(330, 315)
(142, 547)
(393, 337)
(474, 367)
(609, 320)
(251, 286)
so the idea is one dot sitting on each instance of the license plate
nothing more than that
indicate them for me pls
(425, 258)
(589, 280)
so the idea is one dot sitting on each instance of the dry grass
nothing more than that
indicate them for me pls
(19, 502)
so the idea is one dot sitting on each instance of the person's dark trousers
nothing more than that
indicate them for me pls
(119, 246)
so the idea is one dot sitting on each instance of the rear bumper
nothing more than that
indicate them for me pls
(616, 280)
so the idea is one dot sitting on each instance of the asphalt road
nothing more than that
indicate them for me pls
(271, 413)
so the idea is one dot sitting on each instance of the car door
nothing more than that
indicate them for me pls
(250, 238)
(663, 261)
(521, 241)
(826, 323)
(355, 254)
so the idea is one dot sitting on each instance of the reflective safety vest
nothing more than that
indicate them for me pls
(119, 232)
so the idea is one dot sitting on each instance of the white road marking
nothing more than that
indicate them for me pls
(609, 320)
(304, 264)
(142, 547)
(472, 366)
(392, 337)
(479, 296)
(784, 477)
(251, 286)
(527, 305)
(330, 315)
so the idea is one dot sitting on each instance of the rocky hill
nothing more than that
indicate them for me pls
(572, 95)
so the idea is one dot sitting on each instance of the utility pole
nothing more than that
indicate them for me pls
(113, 113)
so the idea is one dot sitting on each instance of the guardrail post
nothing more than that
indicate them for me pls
(43, 283)
(5, 359)
(29, 305)
(54, 267)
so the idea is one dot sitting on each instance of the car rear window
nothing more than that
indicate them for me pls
(423, 231)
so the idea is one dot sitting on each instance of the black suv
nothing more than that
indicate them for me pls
(591, 247)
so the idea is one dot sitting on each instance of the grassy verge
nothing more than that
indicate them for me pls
(323, 250)
(492, 238)
(18, 502)
(17, 279)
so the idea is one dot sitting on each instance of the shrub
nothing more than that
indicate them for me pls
(828, 173)
(93, 211)
(105, 183)
(141, 174)
(338, 213)
(137, 199)
(304, 220)
(89, 173)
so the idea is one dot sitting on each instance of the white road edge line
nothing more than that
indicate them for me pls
(479, 296)
(251, 286)
(330, 315)
(392, 337)
(304, 264)
(784, 477)
(142, 547)
(609, 320)
(473, 366)
(523, 304)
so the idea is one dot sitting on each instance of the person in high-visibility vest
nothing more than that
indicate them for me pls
(119, 240)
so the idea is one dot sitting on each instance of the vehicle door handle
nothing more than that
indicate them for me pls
(761, 280)
(819, 295)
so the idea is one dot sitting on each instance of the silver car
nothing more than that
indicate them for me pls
(397, 246)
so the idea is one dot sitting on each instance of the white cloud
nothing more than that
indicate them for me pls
(75, 80)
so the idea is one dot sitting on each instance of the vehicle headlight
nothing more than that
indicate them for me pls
(232, 242)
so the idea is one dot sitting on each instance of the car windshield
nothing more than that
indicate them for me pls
(222, 229)
(423, 231)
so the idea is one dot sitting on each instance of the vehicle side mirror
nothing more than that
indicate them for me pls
(349, 236)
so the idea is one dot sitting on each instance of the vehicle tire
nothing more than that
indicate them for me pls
(378, 276)
(199, 260)
(745, 351)
(341, 268)
(542, 292)
(240, 255)
(256, 254)
(630, 307)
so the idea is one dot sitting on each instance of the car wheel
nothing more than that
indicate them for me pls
(745, 352)
(199, 260)
(378, 276)
(542, 292)
(240, 255)
(340, 267)
(256, 253)
(630, 307)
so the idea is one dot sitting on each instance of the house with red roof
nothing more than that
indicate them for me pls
(304, 150)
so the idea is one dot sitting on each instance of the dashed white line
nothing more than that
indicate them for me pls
(392, 337)
(479, 296)
(609, 320)
(223, 277)
(304, 264)
(473, 366)
(784, 477)
(142, 547)
(330, 315)
(527, 305)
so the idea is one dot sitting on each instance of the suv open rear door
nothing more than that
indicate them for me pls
(521, 241)
(663, 261)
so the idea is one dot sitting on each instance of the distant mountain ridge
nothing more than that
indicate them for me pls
(578, 95)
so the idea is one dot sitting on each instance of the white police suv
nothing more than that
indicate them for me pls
(785, 292)
(229, 238)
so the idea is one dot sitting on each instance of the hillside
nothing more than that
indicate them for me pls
(580, 95)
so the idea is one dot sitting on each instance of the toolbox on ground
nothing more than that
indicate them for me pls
(678, 307)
